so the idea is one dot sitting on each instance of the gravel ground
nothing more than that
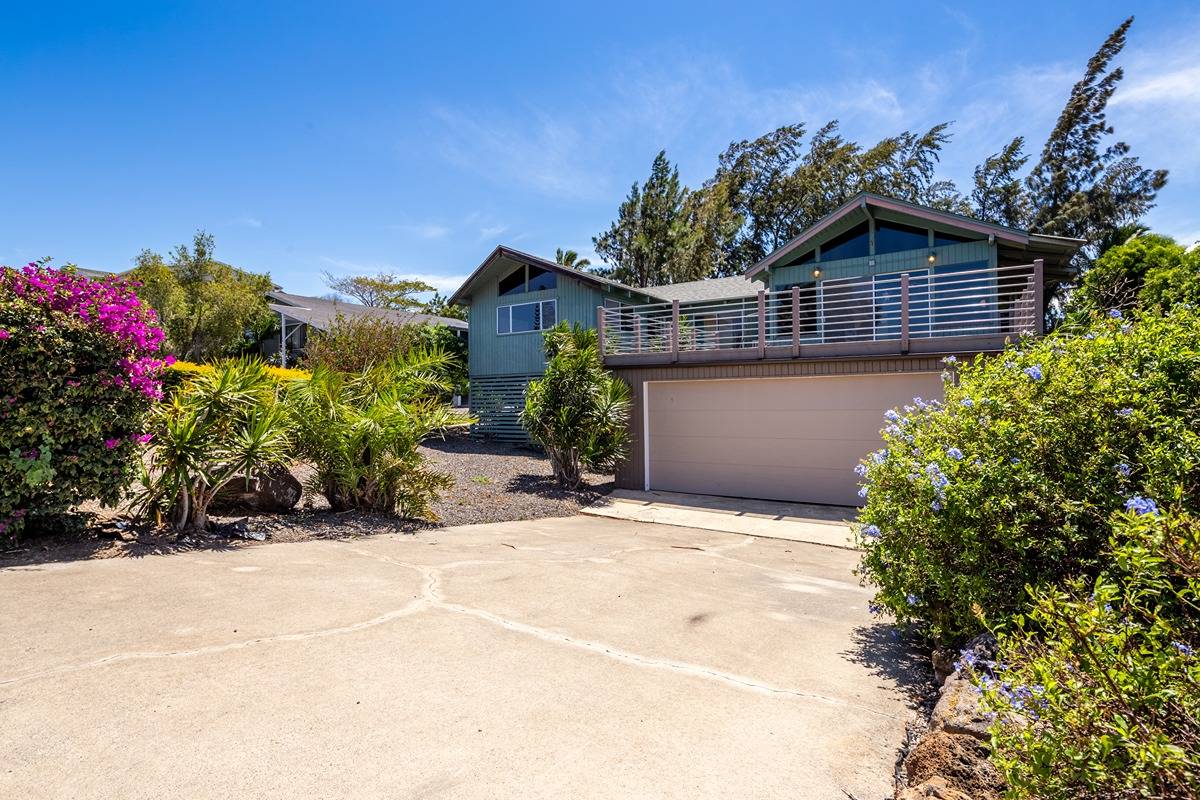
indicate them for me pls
(493, 482)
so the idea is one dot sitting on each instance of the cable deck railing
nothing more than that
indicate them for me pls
(916, 311)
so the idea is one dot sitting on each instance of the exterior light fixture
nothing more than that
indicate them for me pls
(816, 272)
(932, 256)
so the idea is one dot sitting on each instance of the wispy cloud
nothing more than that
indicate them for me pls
(246, 221)
(422, 230)
(492, 231)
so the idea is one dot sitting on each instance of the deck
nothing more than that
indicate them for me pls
(911, 313)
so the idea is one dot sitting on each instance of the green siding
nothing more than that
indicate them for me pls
(521, 353)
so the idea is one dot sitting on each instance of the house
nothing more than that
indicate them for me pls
(773, 384)
(298, 314)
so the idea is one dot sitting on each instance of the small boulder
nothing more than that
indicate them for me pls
(276, 491)
(933, 789)
(957, 709)
(960, 761)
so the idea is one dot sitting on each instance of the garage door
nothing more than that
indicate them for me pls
(794, 439)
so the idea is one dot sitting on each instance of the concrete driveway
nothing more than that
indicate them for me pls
(567, 658)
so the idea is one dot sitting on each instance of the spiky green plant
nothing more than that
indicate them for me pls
(577, 411)
(220, 426)
(361, 432)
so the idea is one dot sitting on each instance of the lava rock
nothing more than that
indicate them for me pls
(275, 491)
(960, 761)
(957, 709)
(933, 789)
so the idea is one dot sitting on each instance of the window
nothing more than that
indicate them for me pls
(854, 243)
(526, 317)
(805, 258)
(540, 279)
(944, 239)
(868, 308)
(892, 237)
(527, 279)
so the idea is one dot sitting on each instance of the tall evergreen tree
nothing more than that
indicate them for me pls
(1080, 187)
(999, 195)
(641, 247)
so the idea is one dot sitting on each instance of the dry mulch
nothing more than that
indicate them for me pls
(493, 482)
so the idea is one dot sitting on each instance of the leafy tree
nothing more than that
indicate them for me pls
(577, 410)
(359, 342)
(569, 258)
(1150, 271)
(384, 290)
(222, 424)
(207, 308)
(361, 432)
(440, 305)
(1080, 187)
(641, 246)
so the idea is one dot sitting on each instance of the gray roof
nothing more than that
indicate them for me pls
(736, 286)
(320, 312)
(464, 292)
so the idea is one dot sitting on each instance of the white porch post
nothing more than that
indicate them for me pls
(282, 340)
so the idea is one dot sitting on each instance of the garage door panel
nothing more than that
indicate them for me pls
(774, 438)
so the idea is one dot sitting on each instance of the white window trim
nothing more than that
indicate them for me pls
(541, 317)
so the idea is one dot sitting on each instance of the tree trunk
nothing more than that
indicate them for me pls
(565, 463)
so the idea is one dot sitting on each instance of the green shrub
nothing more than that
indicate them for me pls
(1012, 480)
(1097, 689)
(577, 410)
(79, 367)
(361, 433)
(354, 344)
(224, 423)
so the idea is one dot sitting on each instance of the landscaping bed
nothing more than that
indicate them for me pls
(493, 482)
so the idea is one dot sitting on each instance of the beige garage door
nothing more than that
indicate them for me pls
(794, 439)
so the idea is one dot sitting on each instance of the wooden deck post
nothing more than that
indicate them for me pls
(795, 322)
(762, 324)
(1039, 296)
(904, 312)
(600, 330)
(674, 330)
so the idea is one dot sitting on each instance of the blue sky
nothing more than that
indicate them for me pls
(354, 137)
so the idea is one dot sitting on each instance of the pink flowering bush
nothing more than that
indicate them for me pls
(79, 367)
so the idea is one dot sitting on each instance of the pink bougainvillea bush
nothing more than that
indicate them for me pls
(79, 367)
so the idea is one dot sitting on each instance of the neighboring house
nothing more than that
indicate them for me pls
(298, 314)
(773, 384)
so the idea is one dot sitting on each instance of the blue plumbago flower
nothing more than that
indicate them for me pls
(860, 470)
(1115, 313)
(1127, 327)
(936, 505)
(875, 608)
(909, 409)
(1014, 460)
(891, 415)
(912, 476)
(950, 360)
(919, 402)
(947, 376)
(977, 463)
(862, 492)
(1141, 505)
(955, 453)
(879, 455)
(1124, 412)
(911, 599)
(939, 480)
(966, 660)
(1034, 372)
(871, 531)
(1124, 469)
(966, 402)
(1183, 648)
(1089, 336)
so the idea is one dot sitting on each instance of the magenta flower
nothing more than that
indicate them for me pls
(4, 334)
(109, 444)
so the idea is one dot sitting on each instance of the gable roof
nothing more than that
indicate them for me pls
(321, 312)
(866, 200)
(464, 291)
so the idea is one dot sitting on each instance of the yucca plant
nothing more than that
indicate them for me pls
(578, 411)
(361, 432)
(222, 425)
